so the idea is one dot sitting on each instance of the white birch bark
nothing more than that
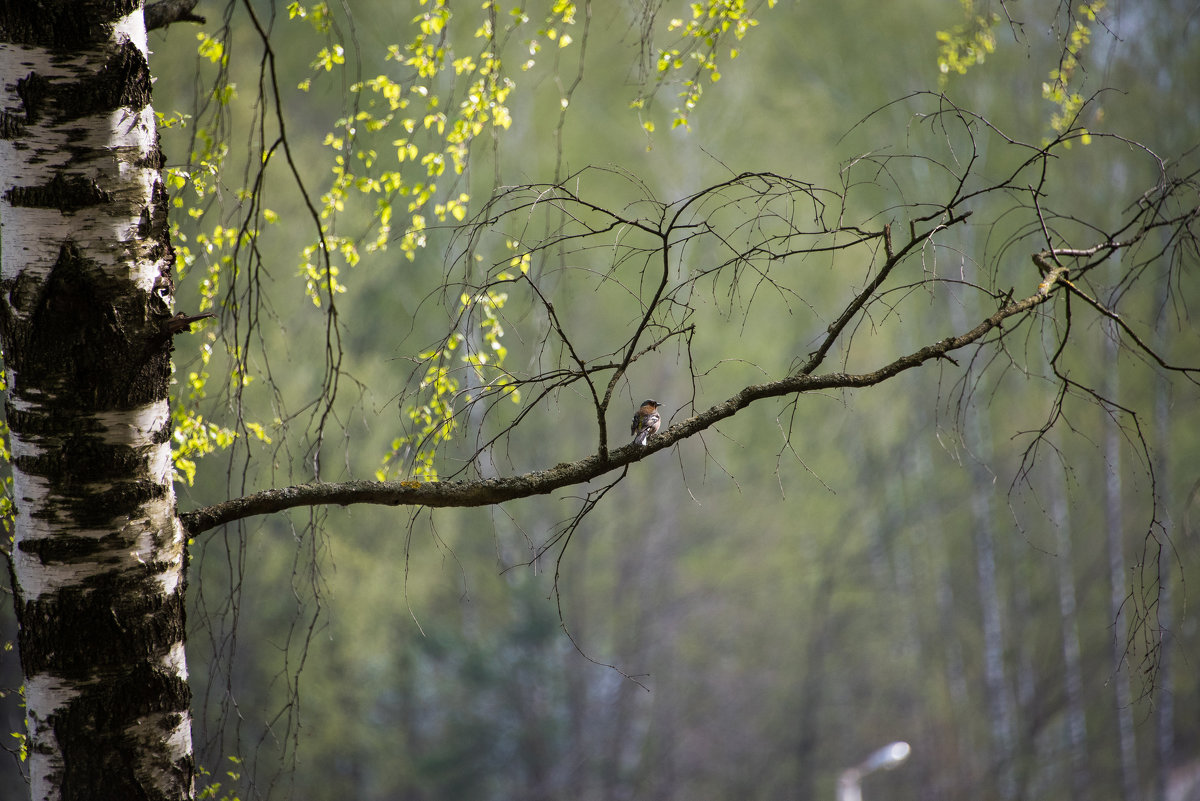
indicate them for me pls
(1001, 704)
(1076, 716)
(1118, 581)
(85, 275)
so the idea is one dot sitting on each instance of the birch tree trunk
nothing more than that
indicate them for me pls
(86, 264)
(1164, 705)
(1001, 705)
(1118, 581)
(1076, 711)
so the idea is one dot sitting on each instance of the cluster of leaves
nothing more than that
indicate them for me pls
(696, 55)
(211, 791)
(193, 189)
(433, 420)
(195, 437)
(966, 44)
(437, 103)
(1058, 89)
(431, 125)
(450, 89)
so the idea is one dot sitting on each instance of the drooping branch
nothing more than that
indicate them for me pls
(484, 492)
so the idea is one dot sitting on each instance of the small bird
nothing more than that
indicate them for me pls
(645, 422)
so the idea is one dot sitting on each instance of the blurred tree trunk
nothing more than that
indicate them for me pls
(999, 695)
(583, 716)
(1001, 705)
(814, 686)
(1164, 703)
(1118, 583)
(1072, 661)
(98, 553)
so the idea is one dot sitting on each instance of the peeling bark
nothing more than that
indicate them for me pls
(85, 280)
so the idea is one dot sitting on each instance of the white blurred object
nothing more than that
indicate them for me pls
(884, 759)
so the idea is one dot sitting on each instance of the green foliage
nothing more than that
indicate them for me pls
(966, 44)
(195, 437)
(193, 189)
(210, 790)
(433, 421)
(1058, 89)
(696, 56)
(430, 127)
(21, 737)
(212, 49)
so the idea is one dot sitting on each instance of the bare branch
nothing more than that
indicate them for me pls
(485, 492)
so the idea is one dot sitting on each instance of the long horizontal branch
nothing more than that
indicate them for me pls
(485, 492)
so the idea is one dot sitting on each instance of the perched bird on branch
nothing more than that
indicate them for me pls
(645, 422)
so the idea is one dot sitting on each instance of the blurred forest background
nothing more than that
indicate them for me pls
(739, 620)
